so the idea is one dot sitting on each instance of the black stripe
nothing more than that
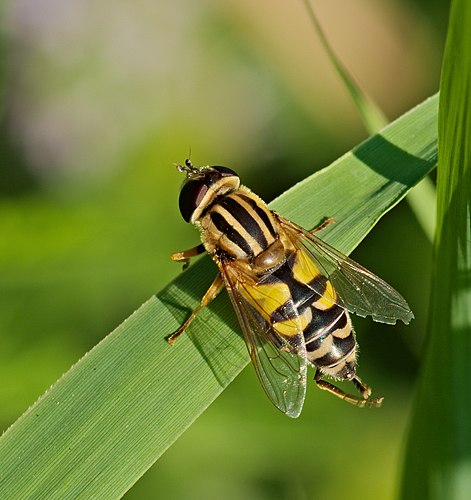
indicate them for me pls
(332, 319)
(213, 203)
(284, 312)
(301, 293)
(343, 347)
(341, 322)
(222, 225)
(261, 213)
(319, 284)
(245, 219)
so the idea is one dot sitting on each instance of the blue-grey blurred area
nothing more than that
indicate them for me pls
(99, 100)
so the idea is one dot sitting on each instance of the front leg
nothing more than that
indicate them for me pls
(322, 226)
(186, 255)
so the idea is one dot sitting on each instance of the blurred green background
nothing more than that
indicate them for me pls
(99, 100)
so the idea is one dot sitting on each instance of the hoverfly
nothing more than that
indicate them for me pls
(292, 292)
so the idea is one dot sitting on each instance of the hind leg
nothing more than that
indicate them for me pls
(365, 400)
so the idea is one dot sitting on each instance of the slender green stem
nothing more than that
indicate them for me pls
(437, 464)
(422, 199)
(371, 115)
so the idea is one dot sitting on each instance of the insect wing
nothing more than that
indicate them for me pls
(281, 365)
(360, 291)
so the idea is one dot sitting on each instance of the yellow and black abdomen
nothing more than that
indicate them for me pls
(330, 340)
(313, 304)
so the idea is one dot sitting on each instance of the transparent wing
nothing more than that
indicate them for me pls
(359, 290)
(280, 362)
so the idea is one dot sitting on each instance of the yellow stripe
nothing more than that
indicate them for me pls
(268, 298)
(304, 270)
(343, 333)
(328, 299)
(255, 216)
(288, 328)
(293, 326)
(232, 221)
(324, 348)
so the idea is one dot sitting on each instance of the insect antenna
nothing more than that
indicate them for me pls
(187, 168)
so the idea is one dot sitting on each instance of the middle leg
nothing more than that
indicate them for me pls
(210, 294)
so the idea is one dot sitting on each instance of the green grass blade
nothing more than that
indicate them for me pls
(422, 199)
(372, 116)
(438, 464)
(101, 426)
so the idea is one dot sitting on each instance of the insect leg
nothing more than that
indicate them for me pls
(328, 221)
(364, 389)
(210, 294)
(355, 400)
(186, 255)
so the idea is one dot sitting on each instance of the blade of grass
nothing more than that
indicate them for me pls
(372, 116)
(438, 457)
(100, 427)
(422, 199)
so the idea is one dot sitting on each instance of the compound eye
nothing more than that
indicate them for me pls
(225, 172)
(191, 195)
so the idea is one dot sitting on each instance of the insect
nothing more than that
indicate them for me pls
(292, 292)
